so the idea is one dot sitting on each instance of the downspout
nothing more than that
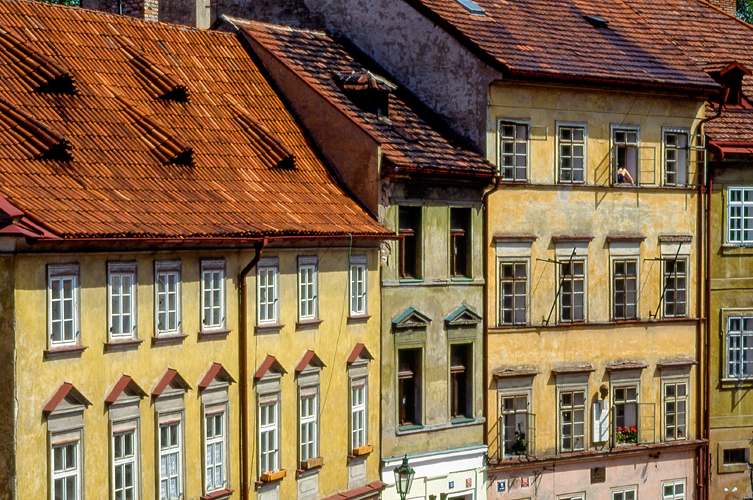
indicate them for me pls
(487, 310)
(243, 355)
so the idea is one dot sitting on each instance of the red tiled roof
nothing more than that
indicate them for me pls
(411, 138)
(114, 127)
(553, 39)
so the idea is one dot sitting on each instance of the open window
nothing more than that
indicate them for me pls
(461, 381)
(409, 230)
(460, 242)
(409, 387)
(625, 160)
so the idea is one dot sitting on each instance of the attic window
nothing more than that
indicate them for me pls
(730, 75)
(43, 74)
(162, 85)
(472, 7)
(596, 21)
(273, 151)
(368, 91)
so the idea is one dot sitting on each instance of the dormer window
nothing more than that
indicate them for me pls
(367, 91)
(730, 75)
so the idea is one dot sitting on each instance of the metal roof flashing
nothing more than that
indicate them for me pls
(472, 7)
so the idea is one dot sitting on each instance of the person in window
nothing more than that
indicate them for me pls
(624, 177)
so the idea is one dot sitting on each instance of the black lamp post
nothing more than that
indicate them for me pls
(404, 478)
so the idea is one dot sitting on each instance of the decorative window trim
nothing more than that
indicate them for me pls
(57, 272)
(357, 261)
(273, 399)
(268, 391)
(268, 264)
(728, 316)
(558, 152)
(168, 267)
(309, 262)
(67, 442)
(213, 266)
(678, 131)
(215, 411)
(122, 269)
(64, 414)
(500, 154)
(723, 468)
(167, 421)
(358, 378)
(120, 429)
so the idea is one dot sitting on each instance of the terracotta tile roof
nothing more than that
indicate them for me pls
(411, 138)
(553, 39)
(114, 127)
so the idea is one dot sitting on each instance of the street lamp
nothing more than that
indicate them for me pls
(404, 478)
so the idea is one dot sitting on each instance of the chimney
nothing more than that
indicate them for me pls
(148, 10)
(728, 6)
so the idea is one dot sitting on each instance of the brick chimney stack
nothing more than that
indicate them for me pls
(729, 6)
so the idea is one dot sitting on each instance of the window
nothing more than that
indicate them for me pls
(168, 297)
(735, 456)
(461, 377)
(358, 427)
(122, 300)
(739, 346)
(571, 154)
(514, 413)
(358, 285)
(626, 414)
(673, 491)
(675, 409)
(63, 312)
(625, 160)
(572, 420)
(170, 463)
(460, 242)
(409, 229)
(675, 287)
(215, 446)
(268, 436)
(409, 386)
(307, 288)
(212, 295)
(572, 291)
(675, 158)
(624, 494)
(740, 215)
(513, 144)
(66, 471)
(124, 465)
(268, 300)
(309, 430)
(513, 282)
(625, 289)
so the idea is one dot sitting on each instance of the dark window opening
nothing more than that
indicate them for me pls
(409, 229)
(409, 386)
(625, 156)
(735, 456)
(460, 238)
(460, 381)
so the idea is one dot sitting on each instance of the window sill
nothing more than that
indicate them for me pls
(730, 383)
(308, 324)
(311, 463)
(268, 477)
(409, 428)
(410, 280)
(462, 420)
(502, 328)
(213, 334)
(274, 328)
(733, 246)
(216, 495)
(461, 279)
(64, 352)
(359, 318)
(123, 345)
(168, 339)
(418, 429)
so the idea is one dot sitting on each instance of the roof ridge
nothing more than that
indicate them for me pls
(41, 72)
(163, 84)
(279, 27)
(34, 136)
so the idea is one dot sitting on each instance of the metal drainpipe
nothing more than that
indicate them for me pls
(243, 355)
(486, 311)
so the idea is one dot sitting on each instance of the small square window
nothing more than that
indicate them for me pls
(624, 494)
(673, 491)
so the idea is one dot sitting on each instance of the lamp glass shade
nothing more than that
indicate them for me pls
(404, 478)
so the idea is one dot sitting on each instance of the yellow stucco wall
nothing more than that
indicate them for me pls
(597, 210)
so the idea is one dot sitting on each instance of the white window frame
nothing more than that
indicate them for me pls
(627, 129)
(674, 495)
(627, 384)
(516, 142)
(359, 415)
(66, 441)
(665, 156)
(166, 270)
(269, 459)
(739, 362)
(118, 271)
(684, 258)
(125, 460)
(308, 423)
(676, 400)
(526, 394)
(213, 298)
(62, 274)
(577, 259)
(358, 288)
(625, 259)
(308, 288)
(268, 270)
(572, 143)
(572, 388)
(516, 296)
(215, 413)
(620, 493)
(175, 449)
(737, 235)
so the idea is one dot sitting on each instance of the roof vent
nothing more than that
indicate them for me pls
(162, 85)
(368, 91)
(34, 137)
(472, 7)
(273, 151)
(596, 21)
(40, 72)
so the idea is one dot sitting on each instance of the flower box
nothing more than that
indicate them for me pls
(363, 450)
(312, 463)
(267, 477)
(627, 435)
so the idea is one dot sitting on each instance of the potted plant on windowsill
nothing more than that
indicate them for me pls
(627, 435)
(520, 444)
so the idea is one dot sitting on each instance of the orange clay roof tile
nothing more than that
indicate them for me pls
(130, 173)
